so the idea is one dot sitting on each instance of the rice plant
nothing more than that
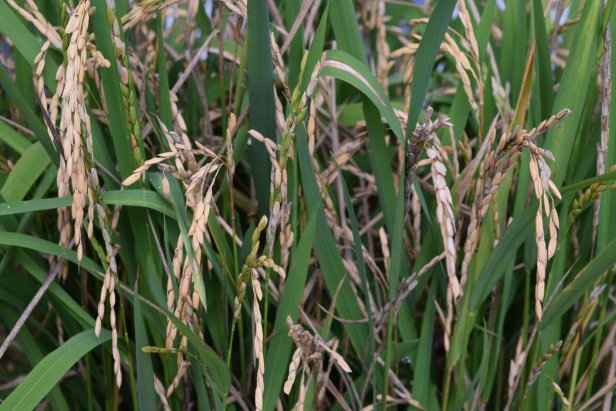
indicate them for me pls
(272, 205)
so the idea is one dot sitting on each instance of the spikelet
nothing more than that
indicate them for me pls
(293, 368)
(138, 173)
(144, 11)
(197, 179)
(250, 274)
(34, 16)
(253, 262)
(544, 188)
(421, 135)
(446, 220)
(494, 170)
(606, 100)
(515, 368)
(72, 173)
(445, 217)
(239, 7)
(383, 63)
(590, 194)
(186, 265)
(309, 350)
(301, 399)
(129, 100)
(160, 392)
(538, 367)
(470, 42)
(77, 171)
(258, 345)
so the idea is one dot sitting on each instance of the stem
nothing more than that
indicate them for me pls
(446, 387)
(224, 405)
(31, 306)
(266, 308)
(574, 375)
(390, 321)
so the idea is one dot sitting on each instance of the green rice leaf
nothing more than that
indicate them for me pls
(130, 198)
(345, 67)
(429, 47)
(47, 373)
(583, 282)
(261, 96)
(27, 170)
